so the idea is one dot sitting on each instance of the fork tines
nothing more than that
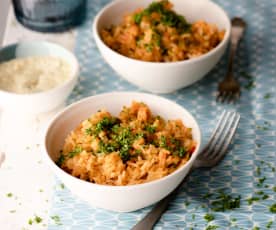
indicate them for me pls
(221, 137)
(229, 97)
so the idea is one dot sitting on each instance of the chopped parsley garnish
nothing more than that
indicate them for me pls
(163, 142)
(121, 140)
(187, 203)
(260, 192)
(270, 166)
(212, 227)
(264, 127)
(225, 202)
(182, 152)
(150, 128)
(209, 217)
(9, 194)
(120, 137)
(157, 38)
(167, 17)
(272, 208)
(267, 96)
(261, 181)
(75, 152)
(250, 85)
(105, 124)
(61, 159)
(269, 224)
(250, 81)
(139, 135)
(256, 228)
(62, 186)
(252, 199)
(138, 18)
(56, 219)
(258, 171)
(71, 154)
(274, 188)
(38, 219)
(107, 147)
(88, 131)
(149, 47)
(30, 221)
(124, 153)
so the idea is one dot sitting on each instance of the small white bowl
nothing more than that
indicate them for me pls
(35, 103)
(116, 198)
(163, 77)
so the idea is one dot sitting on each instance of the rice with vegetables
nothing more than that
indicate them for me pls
(133, 148)
(158, 34)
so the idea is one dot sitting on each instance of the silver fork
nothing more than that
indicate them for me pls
(210, 156)
(229, 87)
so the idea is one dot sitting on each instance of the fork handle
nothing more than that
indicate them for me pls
(238, 26)
(148, 222)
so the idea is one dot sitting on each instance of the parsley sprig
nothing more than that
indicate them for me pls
(225, 202)
(167, 17)
(71, 154)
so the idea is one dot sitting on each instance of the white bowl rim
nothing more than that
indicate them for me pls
(53, 165)
(196, 59)
(73, 75)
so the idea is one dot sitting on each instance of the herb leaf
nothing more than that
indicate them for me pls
(9, 194)
(105, 124)
(168, 17)
(56, 219)
(89, 131)
(150, 128)
(60, 160)
(74, 152)
(269, 224)
(272, 208)
(212, 227)
(225, 202)
(163, 142)
(38, 219)
(209, 217)
(182, 152)
(252, 199)
(267, 96)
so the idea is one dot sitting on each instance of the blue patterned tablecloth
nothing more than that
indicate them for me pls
(251, 159)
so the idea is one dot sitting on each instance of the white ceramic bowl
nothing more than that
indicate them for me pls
(116, 198)
(40, 102)
(163, 77)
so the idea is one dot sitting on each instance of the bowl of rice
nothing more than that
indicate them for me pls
(162, 46)
(122, 151)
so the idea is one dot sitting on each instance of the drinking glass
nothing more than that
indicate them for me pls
(49, 15)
